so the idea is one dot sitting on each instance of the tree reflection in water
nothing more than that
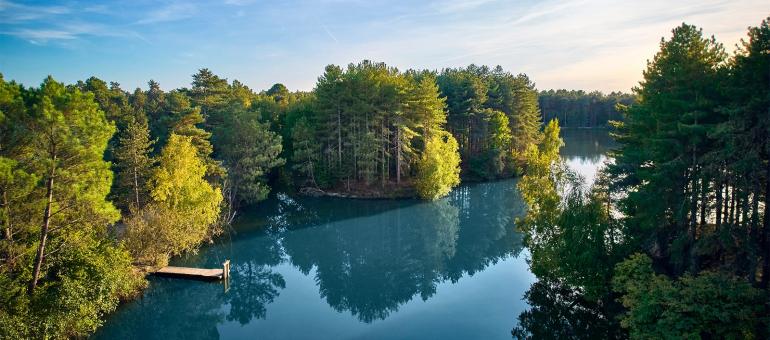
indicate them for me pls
(369, 257)
(371, 264)
(558, 309)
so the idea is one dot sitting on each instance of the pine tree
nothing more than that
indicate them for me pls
(209, 91)
(745, 141)
(133, 164)
(664, 138)
(70, 137)
(524, 115)
(305, 155)
(249, 151)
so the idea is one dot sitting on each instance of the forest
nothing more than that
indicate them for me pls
(578, 109)
(99, 185)
(672, 240)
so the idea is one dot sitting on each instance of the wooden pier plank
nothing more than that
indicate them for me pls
(194, 273)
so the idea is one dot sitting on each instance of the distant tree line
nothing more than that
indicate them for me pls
(577, 108)
(673, 238)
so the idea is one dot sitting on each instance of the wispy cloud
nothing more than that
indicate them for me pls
(239, 2)
(455, 6)
(545, 9)
(101, 9)
(70, 31)
(11, 12)
(590, 44)
(681, 13)
(41, 36)
(329, 33)
(171, 12)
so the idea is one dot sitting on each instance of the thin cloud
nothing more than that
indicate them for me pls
(329, 33)
(546, 10)
(597, 44)
(455, 6)
(39, 36)
(239, 2)
(101, 9)
(681, 13)
(11, 12)
(172, 12)
(70, 31)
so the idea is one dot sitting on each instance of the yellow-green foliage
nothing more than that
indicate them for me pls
(551, 142)
(439, 167)
(184, 208)
(538, 186)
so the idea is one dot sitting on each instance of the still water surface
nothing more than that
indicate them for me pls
(345, 269)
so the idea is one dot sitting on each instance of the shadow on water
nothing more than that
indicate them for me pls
(368, 258)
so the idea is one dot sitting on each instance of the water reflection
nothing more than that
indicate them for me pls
(558, 310)
(370, 265)
(367, 258)
(588, 146)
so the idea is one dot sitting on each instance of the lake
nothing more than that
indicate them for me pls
(346, 269)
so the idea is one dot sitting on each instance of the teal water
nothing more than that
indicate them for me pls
(326, 268)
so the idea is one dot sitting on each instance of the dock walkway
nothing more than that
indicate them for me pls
(196, 273)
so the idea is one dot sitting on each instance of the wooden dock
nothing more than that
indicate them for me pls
(196, 273)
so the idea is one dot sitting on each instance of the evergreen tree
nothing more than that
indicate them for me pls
(470, 92)
(664, 138)
(154, 101)
(209, 91)
(70, 137)
(249, 151)
(279, 93)
(744, 143)
(54, 185)
(305, 156)
(133, 164)
(524, 115)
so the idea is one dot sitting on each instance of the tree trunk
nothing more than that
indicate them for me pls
(703, 201)
(312, 173)
(398, 155)
(136, 186)
(744, 210)
(755, 207)
(765, 237)
(719, 201)
(7, 219)
(339, 137)
(692, 228)
(731, 219)
(43, 233)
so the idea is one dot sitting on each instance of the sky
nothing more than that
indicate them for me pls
(573, 44)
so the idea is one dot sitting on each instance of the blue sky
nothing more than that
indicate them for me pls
(576, 44)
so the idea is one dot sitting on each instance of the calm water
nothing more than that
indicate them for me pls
(338, 269)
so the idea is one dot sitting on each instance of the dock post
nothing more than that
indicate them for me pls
(226, 269)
